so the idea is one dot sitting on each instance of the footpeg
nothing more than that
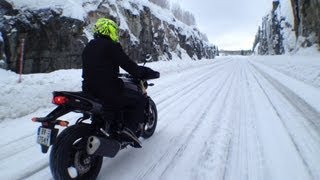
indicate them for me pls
(102, 146)
(131, 137)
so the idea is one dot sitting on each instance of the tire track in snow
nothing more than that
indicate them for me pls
(175, 140)
(294, 75)
(213, 158)
(172, 84)
(184, 95)
(310, 113)
(307, 144)
(157, 145)
(206, 117)
(245, 156)
(185, 87)
(27, 174)
(16, 146)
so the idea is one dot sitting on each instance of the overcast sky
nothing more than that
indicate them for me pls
(230, 24)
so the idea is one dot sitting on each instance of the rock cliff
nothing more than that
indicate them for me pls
(290, 25)
(55, 41)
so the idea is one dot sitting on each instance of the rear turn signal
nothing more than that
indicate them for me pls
(60, 100)
(34, 119)
(63, 123)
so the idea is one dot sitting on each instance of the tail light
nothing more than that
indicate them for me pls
(60, 100)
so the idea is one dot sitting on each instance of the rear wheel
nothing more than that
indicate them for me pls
(151, 124)
(69, 158)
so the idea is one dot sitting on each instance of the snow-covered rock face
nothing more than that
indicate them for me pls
(269, 37)
(290, 25)
(51, 41)
(3, 64)
(307, 20)
(148, 29)
(56, 35)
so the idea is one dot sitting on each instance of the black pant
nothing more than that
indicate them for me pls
(129, 108)
(134, 104)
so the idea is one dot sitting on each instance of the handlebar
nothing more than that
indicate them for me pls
(125, 75)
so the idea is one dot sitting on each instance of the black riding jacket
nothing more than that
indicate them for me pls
(101, 60)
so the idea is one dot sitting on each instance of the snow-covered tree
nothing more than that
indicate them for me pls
(162, 3)
(2, 55)
(182, 15)
(204, 37)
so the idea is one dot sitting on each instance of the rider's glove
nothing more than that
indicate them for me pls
(148, 73)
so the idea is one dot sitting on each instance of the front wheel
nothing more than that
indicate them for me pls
(69, 158)
(152, 118)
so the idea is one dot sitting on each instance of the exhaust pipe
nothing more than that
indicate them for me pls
(102, 146)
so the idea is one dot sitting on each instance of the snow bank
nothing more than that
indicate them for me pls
(303, 66)
(34, 92)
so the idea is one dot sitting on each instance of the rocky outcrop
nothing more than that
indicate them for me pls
(54, 41)
(269, 37)
(307, 20)
(145, 33)
(287, 29)
(51, 41)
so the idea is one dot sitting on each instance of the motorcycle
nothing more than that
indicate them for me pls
(78, 151)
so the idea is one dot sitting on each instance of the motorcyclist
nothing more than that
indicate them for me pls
(101, 59)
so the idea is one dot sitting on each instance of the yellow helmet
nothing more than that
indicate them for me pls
(107, 27)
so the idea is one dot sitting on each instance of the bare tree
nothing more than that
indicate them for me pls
(182, 15)
(188, 18)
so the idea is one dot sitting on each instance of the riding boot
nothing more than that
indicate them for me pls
(140, 130)
(128, 136)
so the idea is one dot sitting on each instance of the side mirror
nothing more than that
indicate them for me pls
(148, 57)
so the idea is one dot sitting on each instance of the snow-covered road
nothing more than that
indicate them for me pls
(231, 118)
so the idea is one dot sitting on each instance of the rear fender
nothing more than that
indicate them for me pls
(53, 115)
(80, 103)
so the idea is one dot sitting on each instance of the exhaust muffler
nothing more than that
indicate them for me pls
(102, 146)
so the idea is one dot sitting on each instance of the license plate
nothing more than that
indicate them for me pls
(44, 136)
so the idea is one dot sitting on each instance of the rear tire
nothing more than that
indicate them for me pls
(69, 158)
(151, 124)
